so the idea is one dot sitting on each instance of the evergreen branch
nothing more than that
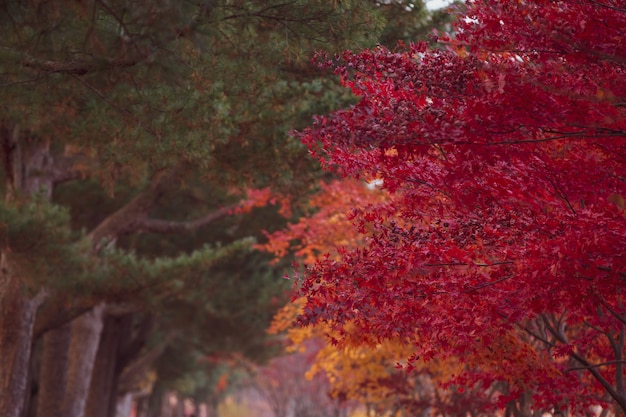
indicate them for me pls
(167, 226)
(116, 106)
(76, 67)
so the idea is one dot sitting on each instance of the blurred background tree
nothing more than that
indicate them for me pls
(130, 133)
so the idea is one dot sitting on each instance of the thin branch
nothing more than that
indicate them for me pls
(597, 365)
(619, 355)
(536, 336)
(488, 284)
(613, 312)
(29, 80)
(608, 6)
(557, 334)
(561, 194)
(549, 139)
(469, 264)
(600, 378)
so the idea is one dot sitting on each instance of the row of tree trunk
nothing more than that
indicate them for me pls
(59, 358)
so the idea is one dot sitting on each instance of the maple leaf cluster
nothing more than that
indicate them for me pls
(503, 156)
(364, 372)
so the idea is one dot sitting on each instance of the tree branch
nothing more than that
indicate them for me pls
(166, 226)
(613, 312)
(132, 217)
(126, 219)
(597, 365)
(542, 339)
(75, 67)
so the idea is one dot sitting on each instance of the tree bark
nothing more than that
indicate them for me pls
(155, 401)
(32, 388)
(84, 341)
(17, 319)
(29, 168)
(103, 390)
(52, 376)
(26, 162)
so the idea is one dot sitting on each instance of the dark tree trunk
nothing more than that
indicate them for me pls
(52, 376)
(143, 406)
(156, 401)
(17, 319)
(103, 390)
(32, 389)
(27, 168)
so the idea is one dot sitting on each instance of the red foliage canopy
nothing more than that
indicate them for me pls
(505, 154)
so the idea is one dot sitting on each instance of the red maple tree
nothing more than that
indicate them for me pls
(505, 157)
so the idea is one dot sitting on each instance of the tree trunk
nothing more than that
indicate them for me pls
(29, 168)
(85, 338)
(104, 382)
(212, 405)
(32, 388)
(17, 319)
(156, 400)
(142, 406)
(52, 376)
(124, 405)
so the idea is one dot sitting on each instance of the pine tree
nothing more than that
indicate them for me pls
(141, 99)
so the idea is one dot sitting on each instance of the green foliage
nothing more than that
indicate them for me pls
(41, 244)
(225, 314)
(146, 85)
(125, 276)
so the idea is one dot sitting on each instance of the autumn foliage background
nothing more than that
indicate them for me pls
(461, 252)
(488, 252)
